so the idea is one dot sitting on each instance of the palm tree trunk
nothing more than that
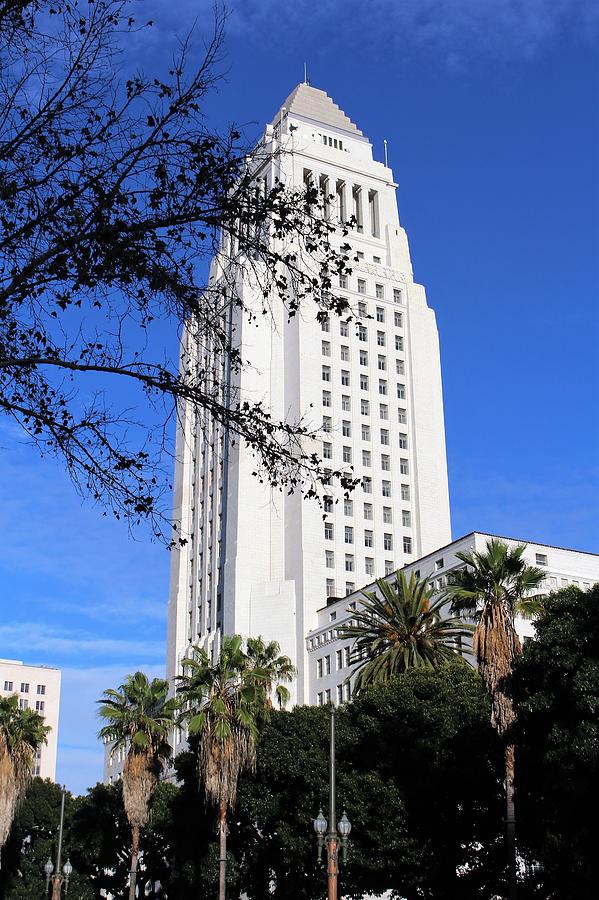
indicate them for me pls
(134, 858)
(510, 822)
(222, 864)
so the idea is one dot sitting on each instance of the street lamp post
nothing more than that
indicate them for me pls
(59, 876)
(337, 834)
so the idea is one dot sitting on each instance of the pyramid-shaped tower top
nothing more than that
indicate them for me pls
(312, 103)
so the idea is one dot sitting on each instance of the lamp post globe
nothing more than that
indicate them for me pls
(67, 868)
(344, 826)
(49, 868)
(320, 824)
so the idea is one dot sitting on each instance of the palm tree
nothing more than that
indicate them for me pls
(273, 669)
(492, 588)
(224, 704)
(400, 627)
(139, 716)
(22, 733)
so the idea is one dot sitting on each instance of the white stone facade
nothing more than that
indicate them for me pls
(330, 672)
(257, 561)
(38, 688)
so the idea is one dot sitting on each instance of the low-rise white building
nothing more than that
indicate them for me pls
(330, 668)
(38, 688)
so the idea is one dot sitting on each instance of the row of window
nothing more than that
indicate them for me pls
(402, 413)
(342, 661)
(381, 360)
(343, 694)
(379, 293)
(365, 382)
(24, 689)
(348, 508)
(40, 705)
(350, 562)
(362, 332)
(348, 531)
(336, 195)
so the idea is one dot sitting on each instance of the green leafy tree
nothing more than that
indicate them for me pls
(274, 670)
(400, 627)
(555, 687)
(139, 717)
(22, 733)
(492, 588)
(224, 703)
(114, 191)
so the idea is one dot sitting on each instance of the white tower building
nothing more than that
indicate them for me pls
(259, 562)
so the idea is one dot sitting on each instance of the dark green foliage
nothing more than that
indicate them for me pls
(556, 690)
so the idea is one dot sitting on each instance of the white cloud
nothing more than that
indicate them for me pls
(56, 641)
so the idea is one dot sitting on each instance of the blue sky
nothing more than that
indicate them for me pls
(490, 111)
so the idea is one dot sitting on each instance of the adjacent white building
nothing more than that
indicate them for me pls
(330, 670)
(38, 688)
(258, 562)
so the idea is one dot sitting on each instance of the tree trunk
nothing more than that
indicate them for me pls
(222, 863)
(134, 858)
(510, 823)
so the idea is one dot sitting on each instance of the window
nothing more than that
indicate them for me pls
(386, 488)
(382, 363)
(364, 382)
(388, 541)
(361, 286)
(349, 562)
(365, 432)
(380, 338)
(406, 518)
(383, 411)
(328, 531)
(348, 507)
(403, 467)
(349, 534)
(402, 416)
(330, 587)
(398, 342)
(367, 484)
(362, 333)
(325, 325)
(347, 687)
(339, 659)
(347, 656)
(398, 319)
(362, 309)
(345, 403)
(326, 398)
(343, 282)
(359, 254)
(327, 451)
(344, 353)
(339, 693)
(8, 686)
(346, 428)
(401, 392)
(403, 441)
(368, 511)
(376, 259)
(326, 373)
(327, 424)
(400, 367)
(541, 559)
(326, 348)
(345, 377)
(365, 407)
(366, 458)
(320, 699)
(380, 314)
(382, 386)
(329, 558)
(389, 567)
(39, 705)
(407, 544)
(23, 703)
(24, 687)
(438, 564)
(379, 291)
(385, 436)
(369, 565)
(327, 665)
(327, 503)
(350, 587)
(363, 357)
(385, 462)
(396, 295)
(368, 538)
(387, 515)
(344, 329)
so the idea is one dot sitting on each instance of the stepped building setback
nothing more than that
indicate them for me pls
(262, 563)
